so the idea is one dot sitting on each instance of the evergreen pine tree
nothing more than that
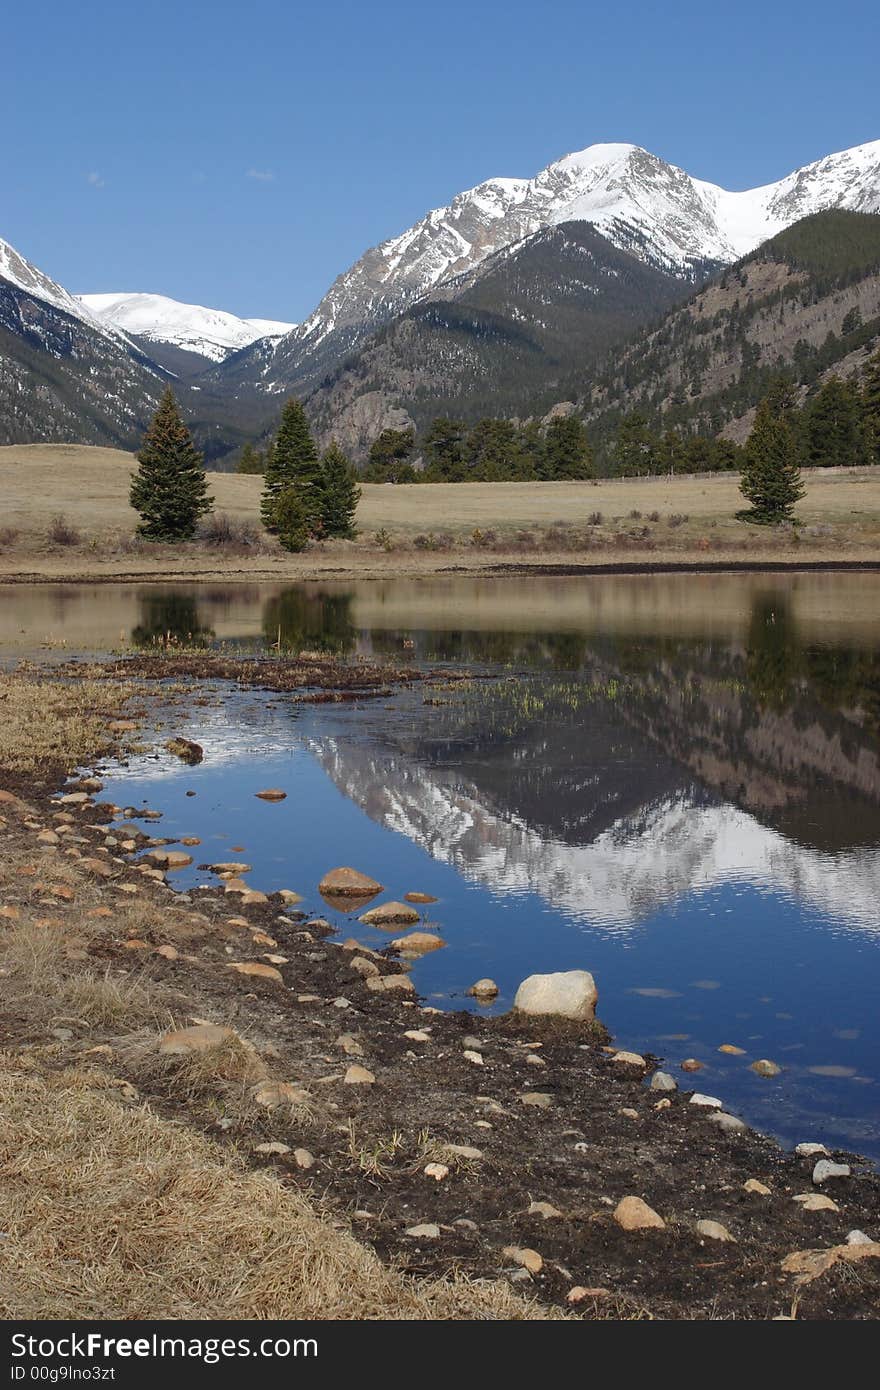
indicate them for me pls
(251, 461)
(637, 450)
(871, 408)
(567, 452)
(292, 463)
(444, 450)
(389, 458)
(340, 494)
(293, 521)
(169, 489)
(770, 477)
(832, 425)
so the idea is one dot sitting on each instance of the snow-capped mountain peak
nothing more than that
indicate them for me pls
(212, 333)
(640, 202)
(20, 272)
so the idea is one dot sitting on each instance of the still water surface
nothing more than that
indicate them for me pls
(673, 782)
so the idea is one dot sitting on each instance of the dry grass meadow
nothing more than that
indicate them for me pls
(417, 529)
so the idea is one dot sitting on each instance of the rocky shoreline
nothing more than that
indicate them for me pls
(523, 1147)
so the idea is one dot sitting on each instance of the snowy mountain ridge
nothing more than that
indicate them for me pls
(641, 203)
(212, 333)
(19, 271)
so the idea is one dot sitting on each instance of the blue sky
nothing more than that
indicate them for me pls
(241, 155)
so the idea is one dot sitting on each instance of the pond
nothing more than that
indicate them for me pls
(671, 781)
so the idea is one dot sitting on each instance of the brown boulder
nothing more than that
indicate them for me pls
(348, 883)
(391, 915)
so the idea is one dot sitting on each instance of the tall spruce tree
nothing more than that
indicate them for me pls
(251, 461)
(871, 408)
(770, 477)
(169, 489)
(833, 428)
(567, 452)
(340, 494)
(292, 463)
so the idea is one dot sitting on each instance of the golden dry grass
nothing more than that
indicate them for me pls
(89, 486)
(108, 1210)
(47, 722)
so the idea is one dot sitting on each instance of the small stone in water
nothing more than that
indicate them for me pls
(764, 1067)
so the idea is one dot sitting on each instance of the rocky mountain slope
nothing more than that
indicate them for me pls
(63, 374)
(639, 202)
(506, 335)
(808, 301)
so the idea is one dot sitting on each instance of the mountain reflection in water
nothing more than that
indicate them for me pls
(692, 814)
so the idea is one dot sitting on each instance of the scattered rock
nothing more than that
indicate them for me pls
(419, 898)
(578, 1294)
(463, 1151)
(815, 1201)
(630, 1059)
(350, 1045)
(710, 1102)
(271, 794)
(390, 915)
(564, 994)
(99, 867)
(713, 1230)
(417, 1035)
(428, 1230)
(484, 989)
(731, 1050)
(691, 1064)
(348, 883)
(475, 1057)
(358, 1076)
(523, 1256)
(810, 1150)
(545, 1209)
(304, 1158)
(541, 1100)
(252, 967)
(232, 867)
(759, 1188)
(273, 1147)
(825, 1169)
(418, 943)
(186, 750)
(391, 984)
(271, 1094)
(632, 1214)
(858, 1238)
(288, 897)
(437, 1171)
(167, 952)
(168, 859)
(361, 966)
(731, 1124)
(662, 1081)
(764, 1067)
(199, 1038)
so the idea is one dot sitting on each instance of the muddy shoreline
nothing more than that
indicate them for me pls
(504, 567)
(543, 1115)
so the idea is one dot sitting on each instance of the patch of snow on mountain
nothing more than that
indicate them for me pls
(212, 333)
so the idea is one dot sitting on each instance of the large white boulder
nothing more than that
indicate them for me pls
(565, 994)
